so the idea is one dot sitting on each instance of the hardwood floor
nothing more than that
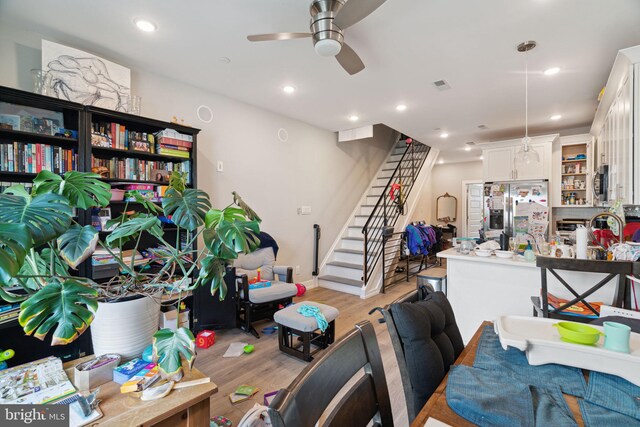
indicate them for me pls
(269, 369)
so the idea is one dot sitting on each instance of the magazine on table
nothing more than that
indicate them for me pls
(39, 382)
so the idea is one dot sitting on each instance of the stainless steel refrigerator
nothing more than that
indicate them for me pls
(503, 201)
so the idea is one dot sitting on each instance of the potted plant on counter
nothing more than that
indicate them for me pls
(40, 242)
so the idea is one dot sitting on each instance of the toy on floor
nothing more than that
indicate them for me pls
(301, 289)
(249, 348)
(205, 338)
(4, 356)
(220, 421)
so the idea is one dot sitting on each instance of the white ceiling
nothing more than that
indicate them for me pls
(405, 44)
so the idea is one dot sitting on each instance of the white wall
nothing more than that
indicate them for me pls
(274, 177)
(446, 178)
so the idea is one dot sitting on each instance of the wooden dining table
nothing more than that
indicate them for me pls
(437, 407)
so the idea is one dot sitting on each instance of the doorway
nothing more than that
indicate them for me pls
(472, 208)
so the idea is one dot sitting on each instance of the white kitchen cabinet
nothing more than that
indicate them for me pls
(572, 176)
(615, 128)
(497, 164)
(534, 170)
(500, 164)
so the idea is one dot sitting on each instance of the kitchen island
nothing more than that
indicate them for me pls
(483, 288)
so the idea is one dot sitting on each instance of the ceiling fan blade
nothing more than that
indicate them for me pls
(354, 11)
(277, 36)
(349, 60)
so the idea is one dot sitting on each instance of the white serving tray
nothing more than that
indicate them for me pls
(542, 344)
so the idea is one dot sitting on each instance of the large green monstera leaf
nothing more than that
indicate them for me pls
(171, 348)
(242, 236)
(212, 271)
(217, 247)
(230, 214)
(77, 244)
(83, 189)
(178, 181)
(46, 263)
(46, 216)
(132, 227)
(69, 305)
(187, 209)
(15, 242)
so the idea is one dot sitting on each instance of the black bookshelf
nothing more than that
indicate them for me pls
(79, 117)
(137, 124)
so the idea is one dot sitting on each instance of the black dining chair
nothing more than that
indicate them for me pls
(354, 360)
(426, 341)
(616, 275)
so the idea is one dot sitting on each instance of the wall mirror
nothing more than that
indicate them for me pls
(446, 208)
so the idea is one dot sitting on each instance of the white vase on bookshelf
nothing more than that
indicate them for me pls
(125, 327)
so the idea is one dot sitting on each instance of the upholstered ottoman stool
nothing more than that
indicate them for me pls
(291, 323)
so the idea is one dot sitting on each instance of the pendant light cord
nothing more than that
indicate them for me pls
(526, 95)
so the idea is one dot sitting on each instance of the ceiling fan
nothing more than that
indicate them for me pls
(328, 19)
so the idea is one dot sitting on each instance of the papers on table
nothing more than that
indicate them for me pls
(39, 382)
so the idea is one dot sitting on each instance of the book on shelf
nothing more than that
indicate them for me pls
(9, 315)
(33, 158)
(173, 137)
(5, 185)
(137, 169)
(174, 152)
(117, 136)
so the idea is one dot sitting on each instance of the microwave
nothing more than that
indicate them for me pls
(601, 184)
(566, 226)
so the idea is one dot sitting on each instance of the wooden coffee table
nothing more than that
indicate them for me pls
(184, 407)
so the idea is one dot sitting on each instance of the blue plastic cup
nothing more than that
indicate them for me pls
(617, 337)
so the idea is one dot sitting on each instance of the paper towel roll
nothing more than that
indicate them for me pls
(582, 237)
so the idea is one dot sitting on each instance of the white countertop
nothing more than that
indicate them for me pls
(513, 262)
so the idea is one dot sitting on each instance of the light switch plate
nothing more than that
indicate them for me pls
(220, 166)
(305, 210)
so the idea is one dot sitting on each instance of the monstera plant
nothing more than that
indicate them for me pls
(41, 244)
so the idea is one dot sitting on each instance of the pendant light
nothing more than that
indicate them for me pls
(526, 154)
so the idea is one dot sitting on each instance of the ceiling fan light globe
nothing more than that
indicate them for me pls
(328, 47)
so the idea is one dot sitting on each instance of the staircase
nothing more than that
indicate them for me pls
(354, 256)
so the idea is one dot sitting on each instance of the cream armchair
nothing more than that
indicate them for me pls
(261, 303)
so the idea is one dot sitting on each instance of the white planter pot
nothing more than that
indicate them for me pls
(125, 328)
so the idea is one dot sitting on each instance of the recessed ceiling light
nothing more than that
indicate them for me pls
(556, 117)
(551, 71)
(481, 157)
(444, 135)
(467, 148)
(144, 25)
(288, 89)
(401, 107)
(354, 118)
(441, 161)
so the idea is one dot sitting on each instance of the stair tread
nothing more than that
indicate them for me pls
(350, 251)
(343, 280)
(359, 239)
(345, 264)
